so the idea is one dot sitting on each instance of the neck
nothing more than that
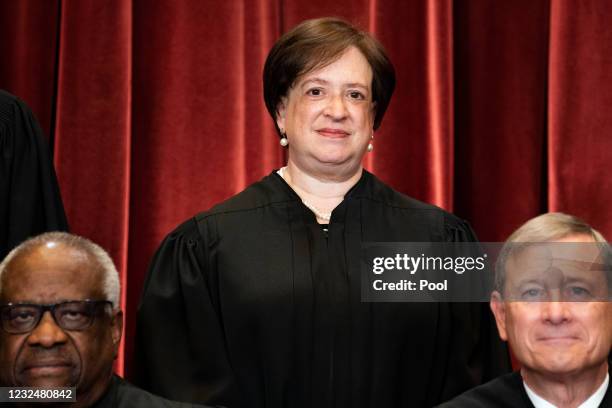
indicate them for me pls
(565, 391)
(324, 193)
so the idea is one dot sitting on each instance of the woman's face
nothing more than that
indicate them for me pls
(328, 116)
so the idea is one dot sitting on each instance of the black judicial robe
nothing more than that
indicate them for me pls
(253, 304)
(121, 394)
(30, 201)
(506, 391)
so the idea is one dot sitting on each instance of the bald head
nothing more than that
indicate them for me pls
(90, 257)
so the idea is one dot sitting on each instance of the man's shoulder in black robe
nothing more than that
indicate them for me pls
(506, 391)
(121, 394)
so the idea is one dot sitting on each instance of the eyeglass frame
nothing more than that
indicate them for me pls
(51, 309)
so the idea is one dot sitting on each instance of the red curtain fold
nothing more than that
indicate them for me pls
(28, 39)
(579, 106)
(500, 111)
(92, 129)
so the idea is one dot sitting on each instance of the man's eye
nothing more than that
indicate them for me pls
(73, 315)
(21, 317)
(532, 294)
(577, 292)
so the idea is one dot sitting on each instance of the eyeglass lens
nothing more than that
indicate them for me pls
(76, 315)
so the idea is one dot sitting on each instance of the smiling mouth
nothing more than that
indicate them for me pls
(559, 339)
(333, 133)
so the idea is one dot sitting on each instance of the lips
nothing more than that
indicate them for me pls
(47, 365)
(333, 133)
(558, 339)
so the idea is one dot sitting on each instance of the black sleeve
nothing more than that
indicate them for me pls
(478, 354)
(180, 347)
(30, 201)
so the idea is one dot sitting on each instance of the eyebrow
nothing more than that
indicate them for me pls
(324, 82)
(524, 282)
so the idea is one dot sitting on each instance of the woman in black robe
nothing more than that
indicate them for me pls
(257, 302)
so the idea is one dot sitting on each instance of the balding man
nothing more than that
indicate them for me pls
(552, 305)
(61, 322)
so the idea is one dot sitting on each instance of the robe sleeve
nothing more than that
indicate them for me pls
(30, 201)
(180, 348)
(477, 353)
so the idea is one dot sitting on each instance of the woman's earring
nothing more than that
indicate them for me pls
(370, 145)
(283, 142)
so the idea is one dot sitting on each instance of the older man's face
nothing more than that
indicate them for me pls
(49, 356)
(559, 324)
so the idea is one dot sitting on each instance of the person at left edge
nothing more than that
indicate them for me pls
(61, 322)
(257, 302)
(30, 199)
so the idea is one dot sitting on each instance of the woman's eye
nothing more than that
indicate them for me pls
(356, 95)
(315, 92)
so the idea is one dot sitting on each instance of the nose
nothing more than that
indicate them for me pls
(47, 334)
(336, 107)
(555, 312)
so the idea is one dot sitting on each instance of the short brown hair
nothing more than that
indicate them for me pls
(316, 43)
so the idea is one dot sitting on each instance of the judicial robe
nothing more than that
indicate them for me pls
(253, 304)
(121, 394)
(506, 391)
(30, 201)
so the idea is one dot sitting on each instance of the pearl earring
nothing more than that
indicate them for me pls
(370, 145)
(283, 142)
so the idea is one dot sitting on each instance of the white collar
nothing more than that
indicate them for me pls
(592, 402)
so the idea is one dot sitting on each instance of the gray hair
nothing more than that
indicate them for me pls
(543, 228)
(111, 287)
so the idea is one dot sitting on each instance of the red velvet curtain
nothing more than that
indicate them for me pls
(155, 111)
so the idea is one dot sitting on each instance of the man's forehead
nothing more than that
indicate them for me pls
(525, 257)
(47, 269)
(558, 265)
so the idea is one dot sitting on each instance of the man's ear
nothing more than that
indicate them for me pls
(498, 307)
(116, 329)
(281, 110)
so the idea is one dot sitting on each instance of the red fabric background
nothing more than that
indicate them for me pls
(155, 108)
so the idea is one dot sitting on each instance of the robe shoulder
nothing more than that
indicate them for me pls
(506, 391)
(122, 394)
(454, 228)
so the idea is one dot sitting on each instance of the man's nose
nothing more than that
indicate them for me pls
(47, 333)
(556, 312)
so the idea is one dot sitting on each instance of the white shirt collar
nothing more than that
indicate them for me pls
(592, 402)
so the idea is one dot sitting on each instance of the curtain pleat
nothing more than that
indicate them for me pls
(28, 36)
(579, 106)
(500, 81)
(500, 111)
(93, 124)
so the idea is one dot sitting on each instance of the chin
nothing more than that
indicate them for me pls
(561, 364)
(334, 158)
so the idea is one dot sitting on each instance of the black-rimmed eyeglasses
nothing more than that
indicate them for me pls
(74, 315)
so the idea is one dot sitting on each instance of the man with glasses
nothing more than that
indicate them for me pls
(552, 304)
(61, 322)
